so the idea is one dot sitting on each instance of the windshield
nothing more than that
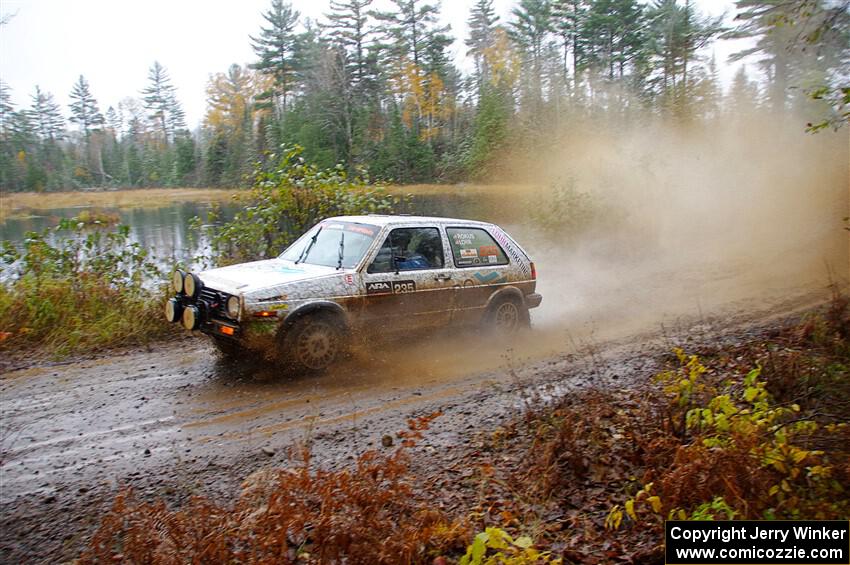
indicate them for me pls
(331, 240)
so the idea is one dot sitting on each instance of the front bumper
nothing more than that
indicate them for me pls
(222, 328)
(210, 311)
(533, 300)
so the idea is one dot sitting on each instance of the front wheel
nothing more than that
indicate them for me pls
(313, 343)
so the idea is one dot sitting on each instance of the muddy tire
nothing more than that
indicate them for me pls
(227, 348)
(313, 343)
(506, 316)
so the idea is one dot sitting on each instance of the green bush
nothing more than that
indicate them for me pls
(561, 210)
(74, 288)
(286, 201)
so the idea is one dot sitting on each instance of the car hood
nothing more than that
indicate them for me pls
(249, 277)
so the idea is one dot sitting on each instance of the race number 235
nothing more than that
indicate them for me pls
(403, 287)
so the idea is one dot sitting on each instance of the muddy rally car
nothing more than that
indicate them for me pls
(360, 275)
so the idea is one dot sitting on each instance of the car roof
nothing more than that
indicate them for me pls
(388, 220)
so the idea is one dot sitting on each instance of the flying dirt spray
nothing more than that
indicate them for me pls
(681, 220)
(634, 227)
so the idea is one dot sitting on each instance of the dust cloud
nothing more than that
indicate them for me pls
(678, 226)
(689, 221)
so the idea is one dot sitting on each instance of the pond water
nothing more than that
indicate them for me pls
(164, 231)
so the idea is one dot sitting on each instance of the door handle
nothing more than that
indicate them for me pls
(442, 277)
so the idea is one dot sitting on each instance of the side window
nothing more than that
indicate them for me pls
(474, 247)
(409, 249)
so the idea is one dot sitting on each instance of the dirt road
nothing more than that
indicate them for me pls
(176, 421)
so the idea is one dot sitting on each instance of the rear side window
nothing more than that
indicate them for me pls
(474, 247)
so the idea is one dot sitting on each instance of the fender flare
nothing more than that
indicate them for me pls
(505, 292)
(318, 306)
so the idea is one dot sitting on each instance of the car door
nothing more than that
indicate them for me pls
(482, 268)
(407, 282)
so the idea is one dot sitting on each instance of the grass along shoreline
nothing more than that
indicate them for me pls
(22, 204)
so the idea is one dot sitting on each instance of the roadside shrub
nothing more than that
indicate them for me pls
(564, 212)
(285, 201)
(758, 430)
(495, 546)
(368, 514)
(768, 443)
(76, 288)
(758, 456)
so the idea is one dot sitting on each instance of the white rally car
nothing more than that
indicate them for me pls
(351, 274)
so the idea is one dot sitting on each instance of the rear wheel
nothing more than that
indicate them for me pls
(313, 343)
(506, 316)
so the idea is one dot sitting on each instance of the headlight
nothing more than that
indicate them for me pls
(192, 285)
(177, 281)
(173, 310)
(233, 307)
(191, 317)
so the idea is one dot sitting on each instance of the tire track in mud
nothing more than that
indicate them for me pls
(94, 420)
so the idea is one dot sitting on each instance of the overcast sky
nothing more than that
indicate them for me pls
(113, 43)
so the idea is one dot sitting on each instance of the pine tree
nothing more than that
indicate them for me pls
(529, 29)
(567, 21)
(10, 176)
(799, 42)
(86, 114)
(412, 30)
(113, 148)
(418, 68)
(115, 121)
(707, 92)
(743, 96)
(6, 109)
(84, 110)
(27, 167)
(490, 132)
(678, 33)
(482, 24)
(348, 22)
(47, 116)
(160, 100)
(614, 35)
(46, 164)
(276, 48)
(185, 161)
(229, 124)
(531, 24)
(176, 116)
(22, 130)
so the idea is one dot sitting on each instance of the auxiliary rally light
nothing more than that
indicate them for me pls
(192, 285)
(177, 279)
(173, 310)
(191, 317)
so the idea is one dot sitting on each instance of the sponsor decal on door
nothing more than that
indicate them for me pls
(390, 287)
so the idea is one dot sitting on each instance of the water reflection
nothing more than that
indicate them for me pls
(164, 231)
